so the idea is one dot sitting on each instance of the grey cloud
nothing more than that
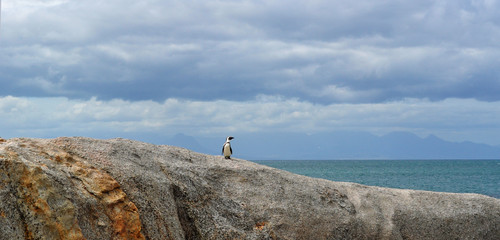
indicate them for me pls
(320, 51)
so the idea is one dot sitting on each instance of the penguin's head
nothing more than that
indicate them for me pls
(229, 138)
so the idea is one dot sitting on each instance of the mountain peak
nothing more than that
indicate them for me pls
(348, 145)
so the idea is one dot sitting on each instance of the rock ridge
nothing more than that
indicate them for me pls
(84, 188)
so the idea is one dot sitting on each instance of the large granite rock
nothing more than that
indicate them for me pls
(82, 188)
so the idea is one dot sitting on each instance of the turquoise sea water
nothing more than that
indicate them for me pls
(459, 176)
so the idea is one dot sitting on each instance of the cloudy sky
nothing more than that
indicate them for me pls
(109, 68)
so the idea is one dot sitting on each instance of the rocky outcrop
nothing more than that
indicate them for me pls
(82, 188)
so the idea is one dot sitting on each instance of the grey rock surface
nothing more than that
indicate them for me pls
(82, 188)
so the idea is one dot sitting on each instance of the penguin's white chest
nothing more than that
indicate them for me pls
(227, 149)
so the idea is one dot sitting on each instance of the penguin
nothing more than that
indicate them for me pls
(226, 148)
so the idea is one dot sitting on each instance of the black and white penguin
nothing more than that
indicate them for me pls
(226, 148)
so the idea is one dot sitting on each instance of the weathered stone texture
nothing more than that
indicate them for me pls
(82, 188)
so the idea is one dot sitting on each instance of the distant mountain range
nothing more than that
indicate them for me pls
(339, 145)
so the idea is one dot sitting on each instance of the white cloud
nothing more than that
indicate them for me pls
(454, 119)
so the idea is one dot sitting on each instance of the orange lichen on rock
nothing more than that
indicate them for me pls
(123, 213)
(46, 203)
(260, 225)
(36, 191)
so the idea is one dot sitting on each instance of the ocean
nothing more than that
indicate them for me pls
(458, 176)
